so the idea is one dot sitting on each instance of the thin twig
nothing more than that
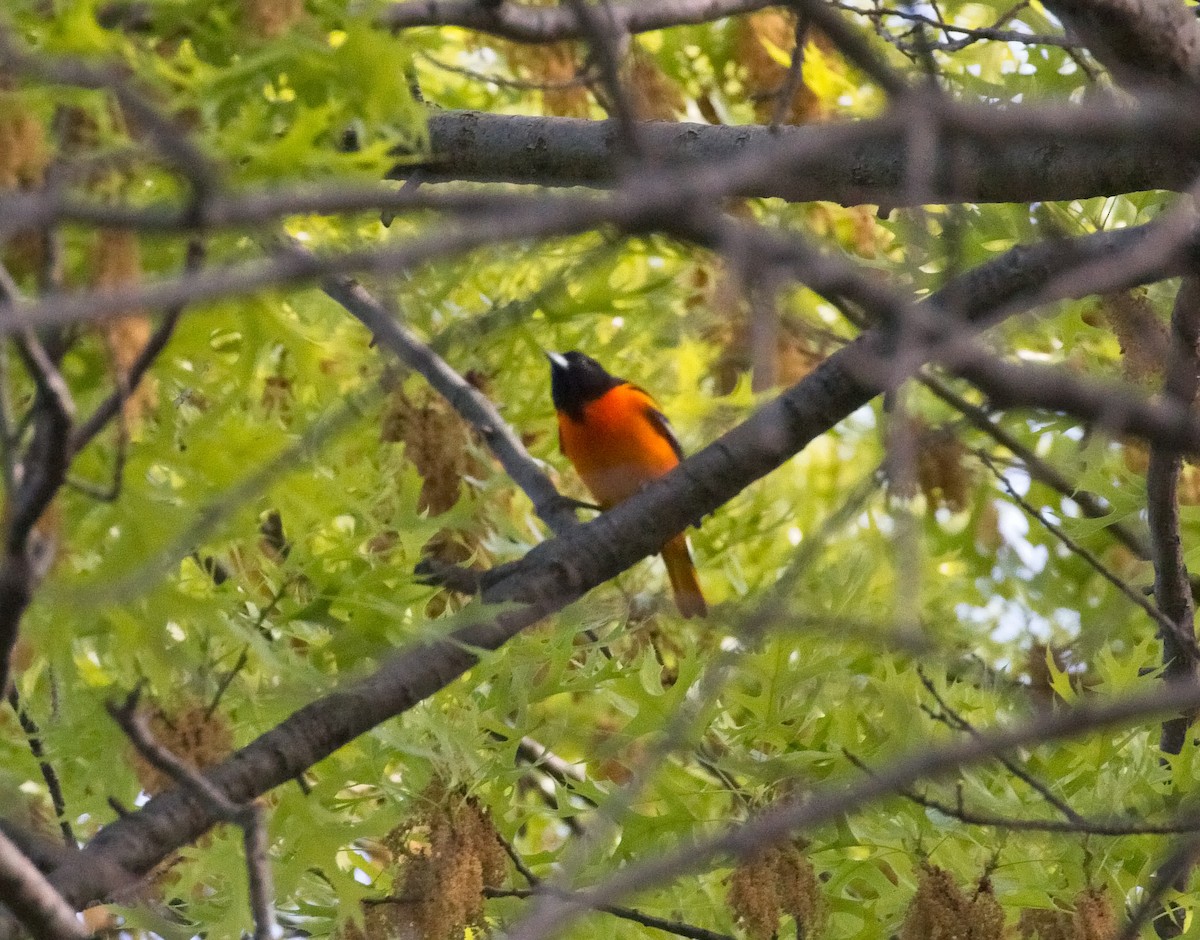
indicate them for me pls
(971, 34)
(1174, 868)
(583, 79)
(243, 658)
(954, 719)
(249, 816)
(1089, 503)
(1086, 825)
(518, 862)
(1130, 592)
(467, 400)
(795, 74)
(678, 928)
(34, 736)
(831, 803)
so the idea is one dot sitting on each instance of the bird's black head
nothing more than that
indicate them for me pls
(576, 379)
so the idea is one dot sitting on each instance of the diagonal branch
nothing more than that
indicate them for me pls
(33, 735)
(467, 400)
(1088, 557)
(249, 816)
(32, 899)
(676, 927)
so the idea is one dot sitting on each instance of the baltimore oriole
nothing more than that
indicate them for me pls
(618, 440)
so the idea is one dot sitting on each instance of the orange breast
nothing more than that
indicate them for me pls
(617, 447)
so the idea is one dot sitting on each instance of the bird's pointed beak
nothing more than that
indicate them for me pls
(558, 361)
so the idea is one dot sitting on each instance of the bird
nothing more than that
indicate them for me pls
(618, 440)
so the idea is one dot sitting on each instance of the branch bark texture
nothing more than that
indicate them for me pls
(1144, 43)
(863, 162)
(1172, 587)
(33, 900)
(537, 24)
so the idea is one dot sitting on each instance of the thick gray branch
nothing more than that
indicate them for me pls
(554, 23)
(864, 162)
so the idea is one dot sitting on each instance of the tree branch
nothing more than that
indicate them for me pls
(1144, 43)
(1172, 587)
(1089, 558)
(1089, 503)
(468, 401)
(249, 815)
(32, 899)
(535, 24)
(678, 928)
(33, 735)
(1084, 825)
(864, 162)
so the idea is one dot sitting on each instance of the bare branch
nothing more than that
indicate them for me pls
(1172, 587)
(678, 928)
(1131, 593)
(1084, 825)
(969, 34)
(53, 786)
(553, 24)
(467, 400)
(1115, 407)
(1090, 504)
(952, 718)
(1022, 154)
(249, 816)
(865, 162)
(1153, 43)
(32, 899)
(562, 569)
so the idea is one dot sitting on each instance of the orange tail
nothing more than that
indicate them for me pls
(682, 573)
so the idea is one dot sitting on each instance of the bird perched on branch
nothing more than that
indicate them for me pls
(618, 440)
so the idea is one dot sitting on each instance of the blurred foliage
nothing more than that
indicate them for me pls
(235, 604)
